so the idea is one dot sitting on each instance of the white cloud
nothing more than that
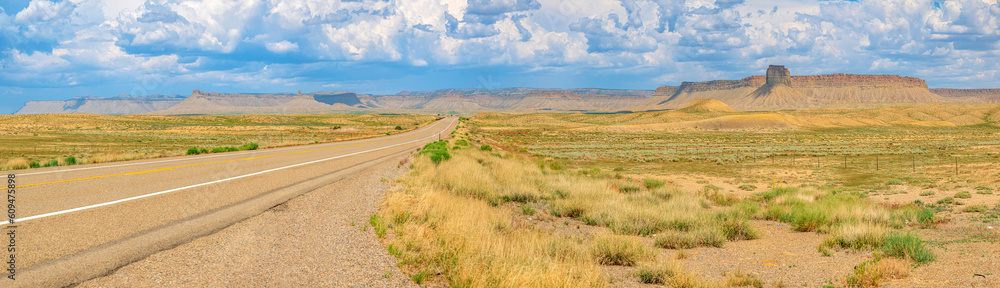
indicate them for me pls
(282, 47)
(660, 39)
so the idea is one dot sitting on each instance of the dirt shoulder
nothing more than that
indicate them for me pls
(319, 239)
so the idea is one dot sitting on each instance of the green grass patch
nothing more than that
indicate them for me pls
(651, 183)
(437, 151)
(907, 246)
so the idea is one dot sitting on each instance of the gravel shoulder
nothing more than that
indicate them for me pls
(319, 239)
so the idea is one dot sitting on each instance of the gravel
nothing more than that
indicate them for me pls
(319, 239)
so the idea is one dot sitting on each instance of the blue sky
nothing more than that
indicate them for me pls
(54, 50)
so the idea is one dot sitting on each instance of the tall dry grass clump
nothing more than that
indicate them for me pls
(444, 223)
(16, 164)
(619, 250)
(671, 274)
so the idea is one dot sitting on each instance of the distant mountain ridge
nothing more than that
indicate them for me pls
(506, 99)
(775, 90)
(116, 105)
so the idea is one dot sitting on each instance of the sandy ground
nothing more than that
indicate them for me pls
(315, 240)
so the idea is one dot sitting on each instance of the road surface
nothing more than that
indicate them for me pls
(75, 223)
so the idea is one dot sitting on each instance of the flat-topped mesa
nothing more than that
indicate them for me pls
(778, 75)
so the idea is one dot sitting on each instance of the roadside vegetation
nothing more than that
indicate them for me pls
(518, 209)
(33, 141)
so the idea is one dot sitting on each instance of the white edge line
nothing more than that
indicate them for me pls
(193, 158)
(212, 182)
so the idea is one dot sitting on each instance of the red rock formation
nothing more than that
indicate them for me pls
(778, 74)
(779, 90)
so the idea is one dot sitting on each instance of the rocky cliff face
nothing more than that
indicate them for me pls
(969, 95)
(779, 90)
(122, 104)
(778, 75)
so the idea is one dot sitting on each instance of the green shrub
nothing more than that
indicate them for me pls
(34, 164)
(439, 155)
(894, 181)
(907, 246)
(461, 143)
(193, 151)
(653, 183)
(71, 160)
(486, 148)
(437, 151)
(399, 127)
(51, 163)
(555, 166)
(251, 146)
(619, 169)
(927, 193)
(809, 219)
(927, 218)
(963, 195)
(221, 149)
(975, 208)
(748, 187)
(946, 200)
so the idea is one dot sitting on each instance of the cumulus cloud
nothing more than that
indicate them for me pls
(282, 47)
(656, 41)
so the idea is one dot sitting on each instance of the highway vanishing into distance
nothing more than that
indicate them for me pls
(74, 223)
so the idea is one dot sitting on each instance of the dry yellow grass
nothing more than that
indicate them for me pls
(874, 274)
(474, 244)
(671, 274)
(105, 138)
(16, 163)
(113, 157)
(857, 235)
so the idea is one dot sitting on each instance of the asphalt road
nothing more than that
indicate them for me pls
(79, 222)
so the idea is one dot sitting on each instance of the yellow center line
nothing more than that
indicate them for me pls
(207, 163)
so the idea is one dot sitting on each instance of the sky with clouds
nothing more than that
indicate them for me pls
(54, 50)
